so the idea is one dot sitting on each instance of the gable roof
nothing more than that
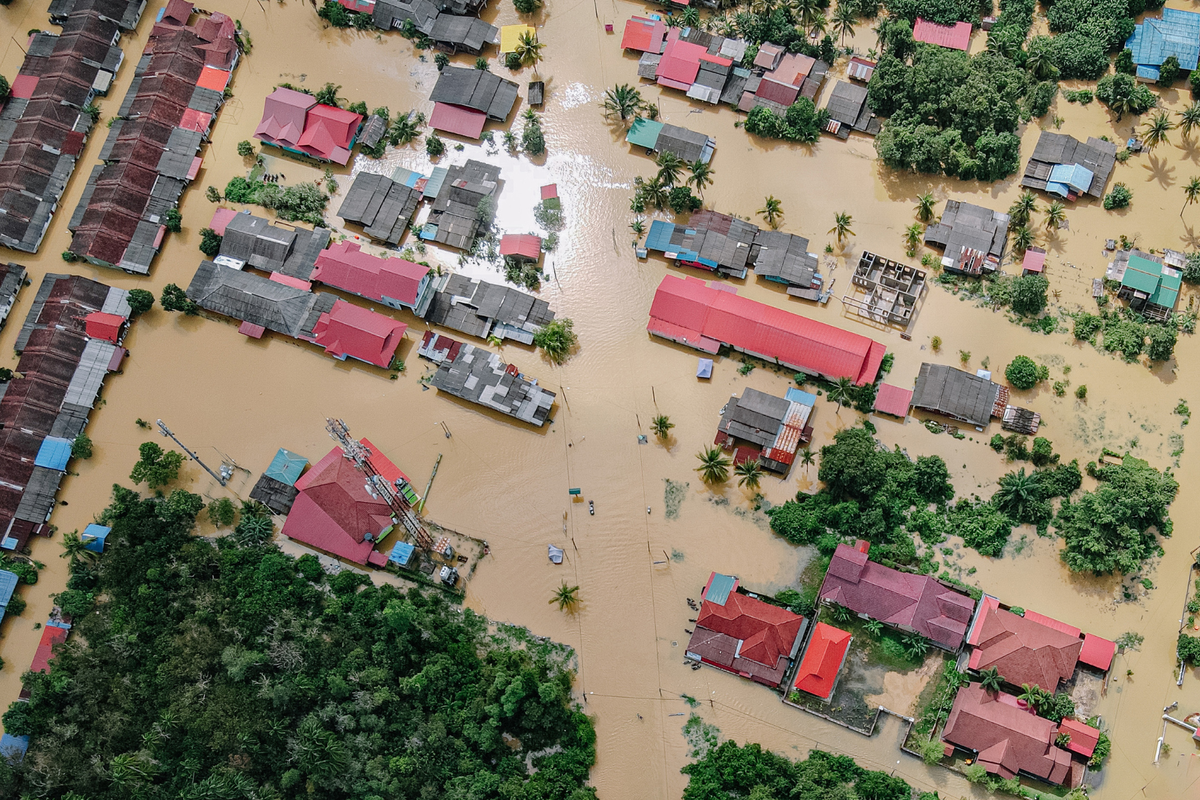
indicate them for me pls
(1176, 33)
(104, 326)
(329, 133)
(680, 62)
(1097, 652)
(1052, 148)
(284, 114)
(345, 266)
(360, 333)
(1007, 738)
(954, 393)
(1022, 649)
(476, 89)
(822, 660)
(457, 120)
(956, 36)
(893, 400)
(1083, 737)
(525, 245)
(644, 35)
(274, 305)
(51, 635)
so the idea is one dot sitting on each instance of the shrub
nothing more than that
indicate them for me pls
(441, 60)
(1168, 71)
(527, 6)
(1119, 197)
(140, 301)
(533, 140)
(1087, 326)
(511, 60)
(245, 149)
(173, 220)
(1022, 373)
(434, 145)
(1081, 392)
(81, 447)
(210, 242)
(557, 339)
(1029, 294)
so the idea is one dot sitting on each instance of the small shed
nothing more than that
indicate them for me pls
(893, 400)
(100, 325)
(860, 69)
(401, 554)
(1097, 652)
(94, 537)
(537, 92)
(1034, 262)
(550, 196)
(704, 368)
(523, 246)
(53, 454)
(286, 467)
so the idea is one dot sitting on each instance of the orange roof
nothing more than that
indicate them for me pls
(213, 78)
(822, 660)
(1083, 737)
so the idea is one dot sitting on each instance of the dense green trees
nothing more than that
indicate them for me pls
(227, 671)
(156, 467)
(802, 122)
(1029, 294)
(557, 339)
(141, 301)
(941, 11)
(1123, 95)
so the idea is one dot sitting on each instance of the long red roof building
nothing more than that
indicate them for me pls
(689, 311)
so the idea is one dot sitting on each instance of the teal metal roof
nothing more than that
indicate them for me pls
(644, 133)
(719, 587)
(286, 467)
(401, 553)
(659, 238)
(1142, 274)
(1168, 289)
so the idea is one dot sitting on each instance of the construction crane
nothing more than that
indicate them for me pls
(376, 484)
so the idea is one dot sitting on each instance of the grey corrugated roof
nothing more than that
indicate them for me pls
(475, 89)
(37, 501)
(1053, 148)
(784, 257)
(474, 307)
(250, 298)
(180, 151)
(382, 206)
(274, 494)
(70, 422)
(954, 393)
(89, 376)
(481, 377)
(468, 33)
(688, 145)
(846, 102)
(966, 225)
(206, 101)
(372, 131)
(755, 417)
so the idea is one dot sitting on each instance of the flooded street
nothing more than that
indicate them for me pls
(225, 394)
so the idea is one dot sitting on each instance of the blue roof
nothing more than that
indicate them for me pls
(1077, 176)
(1148, 73)
(406, 177)
(660, 234)
(434, 185)
(401, 553)
(8, 584)
(1177, 34)
(58, 623)
(93, 537)
(719, 587)
(13, 748)
(794, 395)
(8, 543)
(54, 454)
(286, 467)
(704, 368)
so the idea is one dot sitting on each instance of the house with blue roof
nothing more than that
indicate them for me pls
(1069, 180)
(1176, 33)
(401, 554)
(53, 454)
(8, 585)
(94, 537)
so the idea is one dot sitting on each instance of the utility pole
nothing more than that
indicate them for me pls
(226, 472)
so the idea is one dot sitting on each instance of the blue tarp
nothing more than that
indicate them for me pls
(659, 238)
(401, 553)
(1177, 34)
(1066, 178)
(93, 537)
(13, 748)
(286, 467)
(794, 395)
(719, 588)
(54, 454)
(704, 368)
(58, 623)
(8, 543)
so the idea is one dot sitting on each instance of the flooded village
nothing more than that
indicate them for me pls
(374, 370)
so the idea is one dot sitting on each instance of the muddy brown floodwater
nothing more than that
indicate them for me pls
(226, 395)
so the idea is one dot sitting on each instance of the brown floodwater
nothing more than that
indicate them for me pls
(228, 396)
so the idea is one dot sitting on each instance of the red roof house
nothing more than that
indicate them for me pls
(284, 113)
(521, 245)
(295, 121)
(917, 603)
(1023, 649)
(457, 120)
(689, 311)
(1034, 261)
(51, 635)
(680, 63)
(956, 36)
(644, 35)
(1007, 738)
(744, 635)
(335, 513)
(1097, 652)
(100, 325)
(1083, 737)
(822, 661)
(394, 282)
(352, 331)
(893, 400)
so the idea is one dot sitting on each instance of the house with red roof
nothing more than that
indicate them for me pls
(395, 282)
(51, 635)
(335, 513)
(744, 635)
(522, 246)
(644, 35)
(680, 62)
(350, 331)
(955, 37)
(296, 122)
(1028, 649)
(101, 325)
(1005, 738)
(919, 604)
(689, 311)
(1083, 737)
(823, 659)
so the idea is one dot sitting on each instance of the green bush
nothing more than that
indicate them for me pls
(1022, 373)
(1028, 293)
(1122, 94)
(81, 447)
(1169, 71)
(802, 122)
(1119, 197)
(434, 145)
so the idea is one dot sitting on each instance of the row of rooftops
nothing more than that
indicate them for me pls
(465, 99)
(152, 151)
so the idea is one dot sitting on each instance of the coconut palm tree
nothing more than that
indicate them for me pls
(701, 176)
(623, 100)
(1056, 214)
(690, 17)
(1017, 493)
(1022, 239)
(1039, 64)
(749, 473)
(925, 204)
(819, 25)
(656, 192)
(1189, 119)
(841, 226)
(1190, 193)
(912, 237)
(991, 680)
(567, 597)
(74, 547)
(714, 465)
(405, 128)
(1021, 210)
(840, 392)
(772, 211)
(529, 49)
(661, 425)
(670, 166)
(1032, 696)
(1002, 45)
(1155, 131)
(806, 12)
(843, 22)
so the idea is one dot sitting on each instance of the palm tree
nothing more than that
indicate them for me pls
(749, 473)
(1039, 63)
(1017, 493)
(691, 17)
(806, 12)
(1189, 119)
(840, 392)
(807, 459)
(701, 176)
(841, 226)
(1156, 129)
(638, 227)
(74, 547)
(1190, 192)
(405, 128)
(714, 466)
(843, 22)
(656, 192)
(1056, 214)
(661, 425)
(1021, 210)
(819, 25)
(912, 237)
(1022, 239)
(622, 100)
(772, 211)
(529, 49)
(567, 597)
(670, 166)
(991, 679)
(1032, 696)
(327, 95)
(916, 646)
(1002, 45)
(925, 203)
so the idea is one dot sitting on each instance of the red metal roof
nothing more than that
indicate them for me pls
(23, 86)
(956, 36)
(687, 310)
(213, 78)
(525, 245)
(100, 325)
(51, 635)
(289, 280)
(457, 120)
(550, 191)
(746, 636)
(893, 400)
(644, 35)
(1035, 260)
(328, 132)
(1097, 652)
(251, 330)
(777, 92)
(284, 112)
(194, 120)
(680, 61)
(382, 464)
(220, 219)
(334, 510)
(345, 266)
(1083, 737)
(352, 331)
(822, 660)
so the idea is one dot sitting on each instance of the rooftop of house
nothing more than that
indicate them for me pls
(893, 400)
(481, 377)
(521, 245)
(347, 330)
(956, 36)
(644, 35)
(823, 659)
(965, 227)
(275, 305)
(774, 425)
(266, 245)
(917, 602)
(454, 217)
(469, 33)
(1007, 737)
(346, 266)
(1024, 649)
(1096, 155)
(1083, 737)
(384, 207)
(483, 309)
(784, 257)
(1175, 33)
(476, 89)
(957, 394)
(1152, 279)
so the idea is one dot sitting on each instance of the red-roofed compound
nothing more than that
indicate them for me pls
(956, 36)
(350, 331)
(1083, 737)
(744, 635)
(689, 311)
(680, 62)
(917, 603)
(1034, 262)
(521, 245)
(644, 35)
(823, 661)
(1021, 648)
(1007, 738)
(51, 635)
(334, 512)
(294, 121)
(394, 282)
(100, 325)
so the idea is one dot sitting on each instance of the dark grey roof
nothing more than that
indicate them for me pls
(41, 45)
(784, 257)
(180, 151)
(255, 241)
(688, 145)
(87, 294)
(463, 33)
(274, 494)
(206, 101)
(483, 309)
(755, 417)
(372, 131)
(251, 298)
(476, 89)
(125, 13)
(717, 239)
(389, 14)
(481, 377)
(968, 226)
(848, 105)
(461, 6)
(381, 205)
(12, 278)
(954, 393)
(732, 91)
(453, 217)
(1052, 148)
(648, 65)
(70, 422)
